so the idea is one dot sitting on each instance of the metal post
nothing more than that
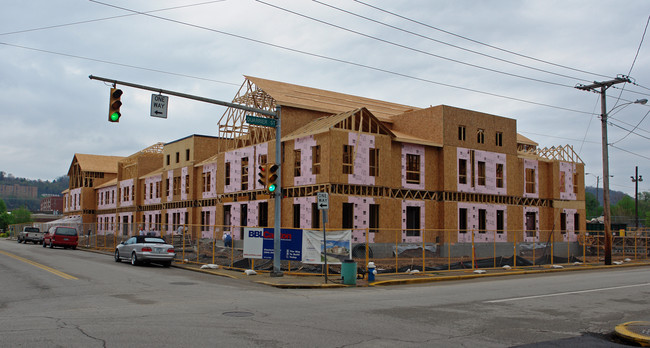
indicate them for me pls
(325, 245)
(277, 263)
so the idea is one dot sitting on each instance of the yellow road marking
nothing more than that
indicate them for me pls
(43, 267)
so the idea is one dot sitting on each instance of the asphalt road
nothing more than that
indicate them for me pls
(74, 298)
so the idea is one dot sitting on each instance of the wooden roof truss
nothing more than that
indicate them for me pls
(555, 153)
(232, 125)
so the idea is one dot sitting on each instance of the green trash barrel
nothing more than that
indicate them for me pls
(349, 272)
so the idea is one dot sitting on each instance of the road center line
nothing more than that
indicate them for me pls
(41, 266)
(566, 293)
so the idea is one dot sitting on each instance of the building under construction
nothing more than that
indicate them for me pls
(394, 173)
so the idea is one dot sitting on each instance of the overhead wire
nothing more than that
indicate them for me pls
(117, 64)
(446, 43)
(342, 60)
(105, 18)
(479, 42)
(414, 49)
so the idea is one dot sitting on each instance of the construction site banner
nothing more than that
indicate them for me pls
(339, 246)
(258, 243)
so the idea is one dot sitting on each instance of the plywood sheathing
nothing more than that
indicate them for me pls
(266, 95)
(286, 94)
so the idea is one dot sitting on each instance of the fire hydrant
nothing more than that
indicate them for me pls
(371, 272)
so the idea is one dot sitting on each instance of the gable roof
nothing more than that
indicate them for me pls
(287, 94)
(96, 163)
(324, 124)
(523, 140)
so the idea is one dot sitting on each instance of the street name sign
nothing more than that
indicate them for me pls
(261, 121)
(159, 105)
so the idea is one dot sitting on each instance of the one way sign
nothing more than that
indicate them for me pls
(323, 201)
(159, 105)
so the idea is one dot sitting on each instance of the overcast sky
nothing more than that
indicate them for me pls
(518, 59)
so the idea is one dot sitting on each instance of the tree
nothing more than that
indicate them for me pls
(592, 206)
(3, 207)
(21, 215)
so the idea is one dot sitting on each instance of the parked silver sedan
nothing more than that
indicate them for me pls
(140, 249)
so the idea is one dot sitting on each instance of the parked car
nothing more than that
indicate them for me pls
(30, 234)
(62, 236)
(145, 249)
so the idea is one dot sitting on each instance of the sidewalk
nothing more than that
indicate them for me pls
(304, 281)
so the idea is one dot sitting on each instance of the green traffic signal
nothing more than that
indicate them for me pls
(114, 105)
(271, 188)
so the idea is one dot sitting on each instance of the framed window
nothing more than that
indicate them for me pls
(296, 216)
(480, 136)
(263, 214)
(499, 173)
(462, 171)
(158, 188)
(563, 223)
(244, 173)
(178, 157)
(562, 182)
(412, 169)
(373, 162)
(500, 221)
(575, 183)
(187, 183)
(150, 190)
(187, 154)
(263, 159)
(206, 181)
(481, 173)
(373, 218)
(530, 180)
(412, 221)
(499, 139)
(227, 173)
(177, 185)
(576, 223)
(296, 162)
(531, 224)
(226, 218)
(167, 187)
(482, 220)
(315, 159)
(461, 133)
(315, 221)
(168, 159)
(348, 153)
(348, 215)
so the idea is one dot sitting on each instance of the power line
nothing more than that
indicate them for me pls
(344, 61)
(630, 152)
(633, 129)
(118, 64)
(479, 42)
(444, 42)
(413, 49)
(105, 18)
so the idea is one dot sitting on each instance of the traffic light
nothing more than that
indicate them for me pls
(272, 178)
(114, 105)
(262, 174)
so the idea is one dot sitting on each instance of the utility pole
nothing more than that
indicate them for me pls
(635, 179)
(602, 86)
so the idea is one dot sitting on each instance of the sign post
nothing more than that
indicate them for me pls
(323, 206)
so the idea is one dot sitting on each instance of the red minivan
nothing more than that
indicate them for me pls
(61, 236)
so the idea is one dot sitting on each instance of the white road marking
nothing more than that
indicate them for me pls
(566, 293)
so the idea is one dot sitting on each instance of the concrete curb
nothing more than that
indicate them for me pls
(433, 278)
